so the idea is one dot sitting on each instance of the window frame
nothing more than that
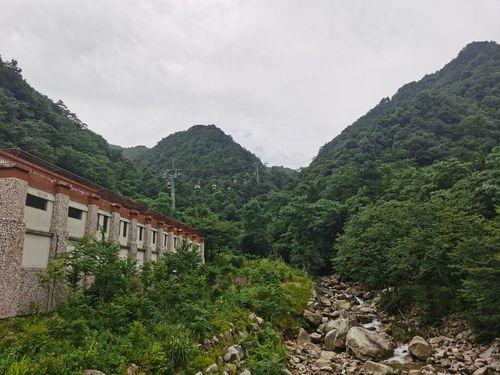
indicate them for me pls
(36, 202)
(75, 210)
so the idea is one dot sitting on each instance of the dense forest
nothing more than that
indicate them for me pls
(404, 200)
(212, 169)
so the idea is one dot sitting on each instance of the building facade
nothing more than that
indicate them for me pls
(44, 208)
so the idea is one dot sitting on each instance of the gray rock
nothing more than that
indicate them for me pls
(325, 358)
(133, 369)
(332, 324)
(241, 352)
(302, 337)
(245, 372)
(232, 354)
(230, 368)
(343, 304)
(212, 369)
(312, 318)
(374, 368)
(316, 337)
(340, 337)
(93, 372)
(481, 371)
(330, 340)
(366, 345)
(420, 348)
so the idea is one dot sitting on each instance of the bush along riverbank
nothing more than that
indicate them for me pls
(344, 332)
(174, 316)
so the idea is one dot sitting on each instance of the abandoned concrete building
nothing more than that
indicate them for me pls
(44, 208)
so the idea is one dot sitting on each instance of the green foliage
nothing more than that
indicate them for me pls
(431, 238)
(154, 316)
(215, 172)
(266, 352)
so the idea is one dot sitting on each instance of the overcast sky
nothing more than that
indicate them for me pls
(283, 77)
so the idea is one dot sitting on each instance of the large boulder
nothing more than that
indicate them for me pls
(232, 354)
(420, 348)
(302, 337)
(335, 339)
(374, 368)
(330, 340)
(331, 325)
(366, 345)
(343, 304)
(314, 319)
(341, 335)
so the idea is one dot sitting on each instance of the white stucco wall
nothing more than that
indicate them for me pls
(36, 251)
(123, 253)
(76, 228)
(140, 258)
(35, 218)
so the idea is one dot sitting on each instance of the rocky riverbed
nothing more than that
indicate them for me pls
(346, 334)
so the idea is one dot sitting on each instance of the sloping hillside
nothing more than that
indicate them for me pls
(33, 122)
(210, 164)
(206, 149)
(451, 113)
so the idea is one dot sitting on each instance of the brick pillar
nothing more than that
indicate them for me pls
(148, 234)
(180, 237)
(170, 242)
(202, 250)
(114, 225)
(92, 215)
(59, 223)
(12, 229)
(160, 249)
(132, 235)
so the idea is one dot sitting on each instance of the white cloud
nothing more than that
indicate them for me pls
(283, 77)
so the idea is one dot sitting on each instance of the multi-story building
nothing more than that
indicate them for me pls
(44, 208)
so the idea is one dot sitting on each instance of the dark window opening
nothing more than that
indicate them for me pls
(124, 232)
(165, 237)
(141, 230)
(75, 213)
(36, 202)
(104, 224)
(154, 237)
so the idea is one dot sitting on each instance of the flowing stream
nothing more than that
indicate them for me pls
(401, 355)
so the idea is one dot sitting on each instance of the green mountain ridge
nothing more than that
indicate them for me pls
(33, 122)
(405, 200)
(453, 113)
(206, 156)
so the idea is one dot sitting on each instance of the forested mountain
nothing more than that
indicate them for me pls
(201, 150)
(451, 113)
(407, 198)
(212, 169)
(205, 153)
(36, 124)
